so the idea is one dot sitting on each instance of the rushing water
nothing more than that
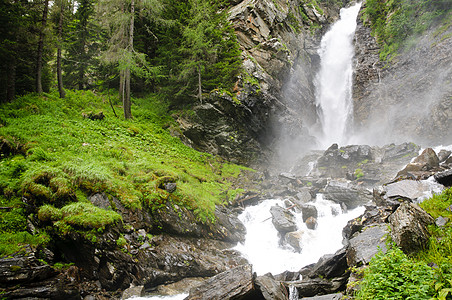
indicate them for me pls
(334, 81)
(262, 248)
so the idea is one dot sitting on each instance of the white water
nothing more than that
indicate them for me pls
(262, 248)
(334, 81)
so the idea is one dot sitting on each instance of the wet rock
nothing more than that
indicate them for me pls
(445, 177)
(270, 288)
(409, 227)
(180, 287)
(308, 211)
(330, 265)
(134, 291)
(318, 286)
(294, 239)
(337, 296)
(287, 276)
(311, 223)
(342, 191)
(236, 283)
(283, 220)
(428, 159)
(303, 195)
(364, 245)
(405, 190)
(443, 155)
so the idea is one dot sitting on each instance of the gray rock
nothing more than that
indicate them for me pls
(364, 245)
(270, 288)
(443, 155)
(294, 239)
(134, 291)
(337, 296)
(441, 221)
(318, 286)
(342, 191)
(235, 283)
(283, 220)
(428, 159)
(308, 211)
(311, 223)
(304, 196)
(330, 265)
(409, 189)
(445, 177)
(409, 227)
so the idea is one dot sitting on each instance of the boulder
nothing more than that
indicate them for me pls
(405, 190)
(409, 227)
(303, 195)
(270, 288)
(330, 265)
(427, 159)
(318, 286)
(133, 291)
(445, 177)
(372, 216)
(236, 283)
(343, 191)
(441, 221)
(180, 287)
(364, 245)
(308, 211)
(443, 155)
(283, 220)
(337, 296)
(311, 223)
(294, 239)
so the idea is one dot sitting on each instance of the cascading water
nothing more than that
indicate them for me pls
(262, 247)
(334, 81)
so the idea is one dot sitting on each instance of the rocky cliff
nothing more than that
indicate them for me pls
(409, 97)
(278, 40)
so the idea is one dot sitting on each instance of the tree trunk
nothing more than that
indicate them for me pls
(60, 38)
(127, 103)
(41, 48)
(199, 84)
(11, 80)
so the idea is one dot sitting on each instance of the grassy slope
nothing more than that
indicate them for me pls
(62, 157)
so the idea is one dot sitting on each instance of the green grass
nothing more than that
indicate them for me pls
(425, 275)
(56, 158)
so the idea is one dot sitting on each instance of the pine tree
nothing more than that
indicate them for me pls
(120, 19)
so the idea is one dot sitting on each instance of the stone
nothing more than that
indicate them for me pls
(318, 286)
(428, 159)
(409, 227)
(308, 211)
(100, 200)
(330, 265)
(444, 177)
(413, 190)
(294, 239)
(311, 223)
(234, 283)
(343, 191)
(180, 287)
(283, 220)
(270, 288)
(337, 296)
(364, 245)
(441, 221)
(133, 291)
(443, 155)
(303, 195)
(170, 187)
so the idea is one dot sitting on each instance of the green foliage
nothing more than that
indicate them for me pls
(394, 21)
(70, 157)
(359, 173)
(392, 275)
(427, 275)
(14, 242)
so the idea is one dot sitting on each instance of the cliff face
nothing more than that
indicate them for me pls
(279, 42)
(409, 98)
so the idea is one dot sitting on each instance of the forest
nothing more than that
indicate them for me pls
(177, 48)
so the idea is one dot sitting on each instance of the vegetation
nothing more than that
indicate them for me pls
(426, 275)
(53, 157)
(393, 22)
(182, 48)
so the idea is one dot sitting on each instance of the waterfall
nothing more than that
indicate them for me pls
(334, 80)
